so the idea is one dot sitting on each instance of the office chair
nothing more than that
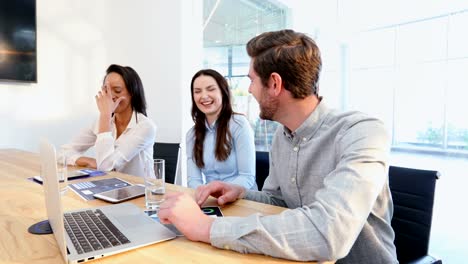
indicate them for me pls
(413, 199)
(262, 167)
(170, 153)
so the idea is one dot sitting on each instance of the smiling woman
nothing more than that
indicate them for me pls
(123, 135)
(207, 97)
(18, 40)
(220, 145)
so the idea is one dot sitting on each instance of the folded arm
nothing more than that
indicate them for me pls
(78, 146)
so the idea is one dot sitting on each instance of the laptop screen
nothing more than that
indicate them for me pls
(52, 194)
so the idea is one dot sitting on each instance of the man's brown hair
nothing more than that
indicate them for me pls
(294, 56)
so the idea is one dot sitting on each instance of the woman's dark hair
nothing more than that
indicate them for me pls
(223, 135)
(134, 86)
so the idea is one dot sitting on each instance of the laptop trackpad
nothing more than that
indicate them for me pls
(132, 221)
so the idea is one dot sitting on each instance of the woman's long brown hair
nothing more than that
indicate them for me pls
(223, 135)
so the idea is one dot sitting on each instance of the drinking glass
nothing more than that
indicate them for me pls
(62, 171)
(155, 184)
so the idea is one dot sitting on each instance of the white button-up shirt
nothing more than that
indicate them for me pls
(126, 154)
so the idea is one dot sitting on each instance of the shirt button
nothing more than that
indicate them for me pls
(293, 180)
(304, 139)
(295, 149)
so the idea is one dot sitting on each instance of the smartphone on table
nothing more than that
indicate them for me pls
(121, 194)
(71, 176)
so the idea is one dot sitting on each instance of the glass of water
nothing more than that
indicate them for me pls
(62, 171)
(155, 184)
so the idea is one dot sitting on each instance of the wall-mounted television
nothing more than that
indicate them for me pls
(18, 60)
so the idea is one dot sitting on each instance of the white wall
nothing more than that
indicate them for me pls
(77, 40)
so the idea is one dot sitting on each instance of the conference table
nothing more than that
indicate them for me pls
(22, 204)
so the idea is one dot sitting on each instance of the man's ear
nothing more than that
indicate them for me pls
(275, 83)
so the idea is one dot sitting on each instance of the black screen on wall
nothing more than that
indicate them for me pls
(18, 40)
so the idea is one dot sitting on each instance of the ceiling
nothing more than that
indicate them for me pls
(234, 22)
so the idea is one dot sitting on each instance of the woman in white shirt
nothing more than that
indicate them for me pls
(123, 136)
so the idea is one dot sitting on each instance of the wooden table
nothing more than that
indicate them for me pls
(22, 204)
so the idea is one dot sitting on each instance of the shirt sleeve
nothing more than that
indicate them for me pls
(110, 156)
(79, 144)
(194, 175)
(266, 196)
(327, 228)
(244, 146)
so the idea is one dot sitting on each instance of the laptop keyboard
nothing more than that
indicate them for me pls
(92, 230)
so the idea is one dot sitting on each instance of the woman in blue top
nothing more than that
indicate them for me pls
(221, 144)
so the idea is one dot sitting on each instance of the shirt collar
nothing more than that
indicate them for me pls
(133, 120)
(211, 127)
(308, 128)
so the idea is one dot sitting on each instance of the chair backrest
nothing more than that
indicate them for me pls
(170, 153)
(413, 199)
(262, 167)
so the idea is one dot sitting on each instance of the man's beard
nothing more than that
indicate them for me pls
(268, 108)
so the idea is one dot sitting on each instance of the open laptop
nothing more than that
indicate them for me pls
(118, 227)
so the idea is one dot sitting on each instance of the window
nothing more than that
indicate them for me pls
(229, 25)
(406, 68)
(409, 74)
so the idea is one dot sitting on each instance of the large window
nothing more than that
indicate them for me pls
(410, 74)
(407, 68)
(229, 24)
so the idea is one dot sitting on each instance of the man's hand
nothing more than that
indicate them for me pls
(225, 192)
(181, 210)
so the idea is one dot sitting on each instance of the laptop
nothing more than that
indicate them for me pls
(115, 228)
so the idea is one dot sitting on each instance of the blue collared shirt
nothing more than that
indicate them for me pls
(238, 168)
